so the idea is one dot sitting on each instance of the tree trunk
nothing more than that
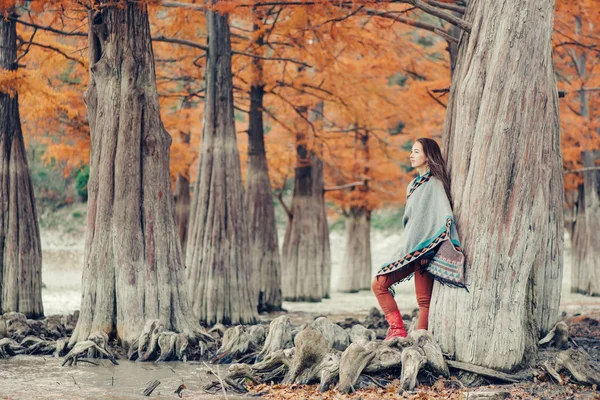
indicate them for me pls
(585, 249)
(132, 265)
(218, 265)
(323, 256)
(182, 209)
(502, 141)
(357, 256)
(264, 247)
(20, 246)
(306, 257)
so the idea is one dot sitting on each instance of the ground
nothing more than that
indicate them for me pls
(63, 237)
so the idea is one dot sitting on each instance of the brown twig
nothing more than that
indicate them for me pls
(572, 171)
(347, 185)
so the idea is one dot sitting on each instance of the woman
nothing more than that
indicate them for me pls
(430, 248)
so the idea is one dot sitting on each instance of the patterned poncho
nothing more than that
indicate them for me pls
(429, 232)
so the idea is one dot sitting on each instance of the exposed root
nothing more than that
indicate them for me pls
(82, 347)
(9, 348)
(413, 358)
(279, 337)
(579, 364)
(311, 348)
(337, 337)
(433, 351)
(155, 343)
(238, 342)
(353, 361)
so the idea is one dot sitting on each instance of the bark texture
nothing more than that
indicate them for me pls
(20, 246)
(502, 142)
(357, 256)
(585, 270)
(264, 247)
(218, 266)
(306, 256)
(132, 264)
(182, 209)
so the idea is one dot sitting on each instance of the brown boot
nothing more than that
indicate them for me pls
(394, 319)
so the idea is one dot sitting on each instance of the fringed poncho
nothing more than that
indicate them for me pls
(429, 232)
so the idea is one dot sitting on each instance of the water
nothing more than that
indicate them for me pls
(34, 377)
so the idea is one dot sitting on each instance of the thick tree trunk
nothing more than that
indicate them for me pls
(357, 255)
(132, 265)
(182, 209)
(264, 248)
(218, 265)
(306, 256)
(20, 246)
(585, 249)
(502, 142)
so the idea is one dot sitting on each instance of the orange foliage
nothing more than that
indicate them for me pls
(577, 61)
(372, 74)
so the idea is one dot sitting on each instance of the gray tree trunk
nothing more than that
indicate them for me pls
(306, 256)
(502, 142)
(356, 265)
(182, 209)
(585, 249)
(20, 246)
(218, 262)
(264, 247)
(132, 264)
(357, 254)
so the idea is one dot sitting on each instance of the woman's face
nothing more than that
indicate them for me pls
(417, 156)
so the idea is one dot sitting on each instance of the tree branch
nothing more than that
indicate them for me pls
(28, 46)
(446, 16)
(437, 100)
(572, 171)
(411, 22)
(447, 6)
(347, 185)
(59, 51)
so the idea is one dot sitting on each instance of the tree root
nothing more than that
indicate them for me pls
(361, 335)
(354, 359)
(557, 337)
(279, 337)
(337, 337)
(413, 358)
(155, 343)
(239, 341)
(82, 348)
(579, 365)
(9, 348)
(432, 350)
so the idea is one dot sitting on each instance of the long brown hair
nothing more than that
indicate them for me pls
(437, 164)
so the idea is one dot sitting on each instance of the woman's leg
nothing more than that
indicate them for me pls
(382, 283)
(423, 286)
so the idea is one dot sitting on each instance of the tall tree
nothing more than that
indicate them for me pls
(502, 142)
(576, 61)
(585, 252)
(306, 258)
(20, 246)
(132, 265)
(264, 247)
(219, 269)
(357, 251)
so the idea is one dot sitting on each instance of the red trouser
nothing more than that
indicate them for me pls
(423, 286)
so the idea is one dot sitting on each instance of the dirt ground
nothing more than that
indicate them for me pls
(27, 377)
